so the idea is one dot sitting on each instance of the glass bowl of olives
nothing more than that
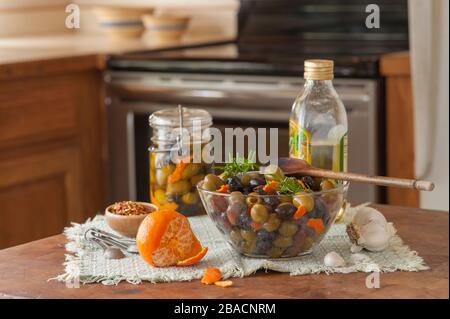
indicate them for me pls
(270, 216)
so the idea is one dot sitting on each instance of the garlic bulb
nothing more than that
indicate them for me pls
(370, 230)
(333, 259)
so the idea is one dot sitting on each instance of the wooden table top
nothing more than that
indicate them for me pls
(25, 269)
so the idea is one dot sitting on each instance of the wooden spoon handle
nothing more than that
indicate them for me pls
(379, 180)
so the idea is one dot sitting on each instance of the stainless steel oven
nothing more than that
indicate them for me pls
(233, 101)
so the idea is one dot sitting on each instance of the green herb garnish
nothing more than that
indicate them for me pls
(240, 165)
(290, 185)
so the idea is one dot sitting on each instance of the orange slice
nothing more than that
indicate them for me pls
(193, 260)
(211, 276)
(224, 284)
(165, 237)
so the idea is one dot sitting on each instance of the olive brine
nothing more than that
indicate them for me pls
(269, 214)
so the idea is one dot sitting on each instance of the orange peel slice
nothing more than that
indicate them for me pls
(211, 275)
(193, 260)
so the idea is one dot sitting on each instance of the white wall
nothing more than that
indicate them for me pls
(430, 74)
(32, 17)
(42, 17)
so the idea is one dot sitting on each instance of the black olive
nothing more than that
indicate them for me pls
(263, 241)
(285, 210)
(257, 182)
(319, 210)
(245, 221)
(234, 184)
(259, 190)
(308, 181)
(272, 201)
(265, 235)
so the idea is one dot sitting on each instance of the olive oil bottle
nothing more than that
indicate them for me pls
(318, 122)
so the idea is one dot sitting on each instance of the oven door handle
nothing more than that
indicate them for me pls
(225, 94)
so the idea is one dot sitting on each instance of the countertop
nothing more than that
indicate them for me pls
(25, 270)
(37, 48)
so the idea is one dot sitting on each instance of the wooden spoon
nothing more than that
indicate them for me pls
(295, 166)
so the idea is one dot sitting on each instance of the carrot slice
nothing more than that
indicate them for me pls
(271, 186)
(317, 225)
(224, 189)
(256, 226)
(224, 284)
(301, 210)
(211, 275)
(193, 260)
(176, 175)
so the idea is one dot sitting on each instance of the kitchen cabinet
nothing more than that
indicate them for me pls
(395, 68)
(51, 146)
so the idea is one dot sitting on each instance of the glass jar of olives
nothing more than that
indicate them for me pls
(176, 161)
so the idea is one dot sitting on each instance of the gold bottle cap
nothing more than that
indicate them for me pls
(318, 69)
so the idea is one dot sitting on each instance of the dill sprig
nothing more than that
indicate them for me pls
(240, 165)
(290, 185)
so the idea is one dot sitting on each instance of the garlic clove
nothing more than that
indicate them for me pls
(333, 259)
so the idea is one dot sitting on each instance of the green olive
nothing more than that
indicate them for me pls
(196, 179)
(275, 252)
(190, 170)
(288, 229)
(209, 186)
(163, 173)
(180, 187)
(236, 197)
(160, 196)
(223, 177)
(235, 236)
(272, 223)
(254, 175)
(253, 198)
(248, 246)
(307, 244)
(327, 184)
(259, 213)
(283, 242)
(273, 172)
(214, 180)
(248, 235)
(285, 198)
(304, 199)
(245, 179)
(190, 198)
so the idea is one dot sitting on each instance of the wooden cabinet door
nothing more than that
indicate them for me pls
(39, 195)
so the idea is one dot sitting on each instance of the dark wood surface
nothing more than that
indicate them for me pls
(25, 269)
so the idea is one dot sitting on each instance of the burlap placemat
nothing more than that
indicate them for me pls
(86, 264)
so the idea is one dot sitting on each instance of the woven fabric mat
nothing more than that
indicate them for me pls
(85, 261)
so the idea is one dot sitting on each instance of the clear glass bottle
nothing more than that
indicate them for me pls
(318, 122)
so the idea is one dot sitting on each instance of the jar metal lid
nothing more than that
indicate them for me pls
(170, 117)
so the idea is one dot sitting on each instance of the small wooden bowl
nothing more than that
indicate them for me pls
(165, 27)
(119, 22)
(126, 225)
